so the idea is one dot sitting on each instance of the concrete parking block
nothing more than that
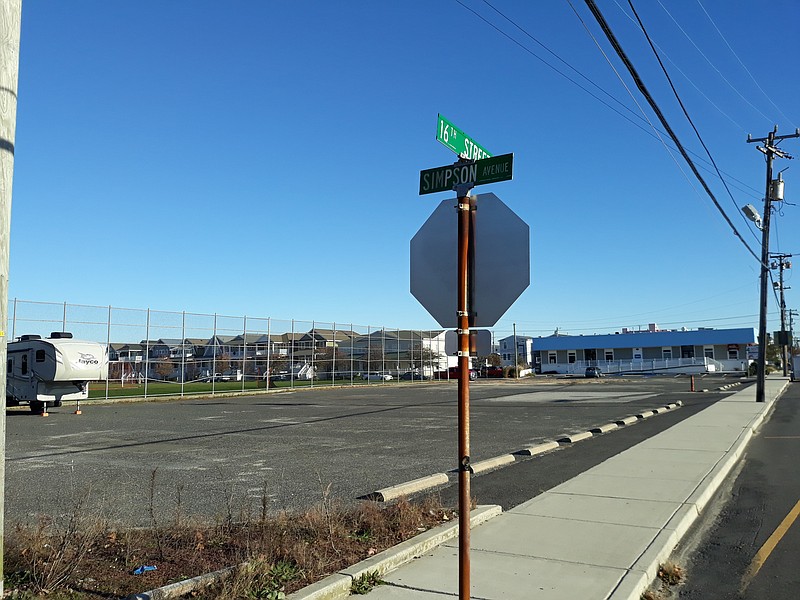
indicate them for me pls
(627, 420)
(492, 463)
(539, 448)
(604, 428)
(574, 437)
(410, 487)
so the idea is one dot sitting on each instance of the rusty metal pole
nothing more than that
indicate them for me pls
(465, 210)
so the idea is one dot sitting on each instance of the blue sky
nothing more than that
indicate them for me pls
(263, 158)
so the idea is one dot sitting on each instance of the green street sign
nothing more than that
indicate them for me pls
(459, 142)
(487, 170)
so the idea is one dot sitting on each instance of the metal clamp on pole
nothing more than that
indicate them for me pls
(465, 465)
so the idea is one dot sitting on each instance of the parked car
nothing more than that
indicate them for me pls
(375, 376)
(492, 372)
(593, 372)
(216, 377)
(452, 373)
(414, 376)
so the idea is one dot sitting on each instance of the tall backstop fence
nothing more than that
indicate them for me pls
(157, 353)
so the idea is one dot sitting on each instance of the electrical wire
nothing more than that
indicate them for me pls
(645, 92)
(724, 39)
(686, 113)
(750, 191)
(696, 87)
(713, 66)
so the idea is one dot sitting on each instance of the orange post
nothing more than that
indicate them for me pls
(691, 387)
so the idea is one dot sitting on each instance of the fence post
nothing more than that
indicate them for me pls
(269, 350)
(64, 318)
(244, 352)
(291, 358)
(214, 358)
(334, 350)
(183, 351)
(352, 336)
(313, 348)
(14, 321)
(147, 354)
(108, 348)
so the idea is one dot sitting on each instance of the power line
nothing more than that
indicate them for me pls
(744, 66)
(750, 191)
(713, 66)
(686, 113)
(643, 89)
(696, 87)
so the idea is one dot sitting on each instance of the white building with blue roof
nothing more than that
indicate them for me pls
(652, 350)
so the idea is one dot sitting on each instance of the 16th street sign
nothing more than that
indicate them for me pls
(487, 170)
(459, 142)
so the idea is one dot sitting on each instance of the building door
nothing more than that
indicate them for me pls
(687, 351)
(590, 354)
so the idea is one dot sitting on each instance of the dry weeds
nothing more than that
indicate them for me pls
(81, 558)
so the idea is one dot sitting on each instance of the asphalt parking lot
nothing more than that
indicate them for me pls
(214, 458)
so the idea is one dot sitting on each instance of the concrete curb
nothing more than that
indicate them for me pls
(574, 437)
(437, 479)
(180, 588)
(492, 463)
(338, 585)
(409, 487)
(644, 571)
(538, 449)
(604, 428)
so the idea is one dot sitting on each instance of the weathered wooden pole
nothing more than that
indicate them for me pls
(10, 17)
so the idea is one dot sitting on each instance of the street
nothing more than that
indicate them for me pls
(214, 458)
(747, 542)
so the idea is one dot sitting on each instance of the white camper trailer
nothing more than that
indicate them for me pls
(51, 370)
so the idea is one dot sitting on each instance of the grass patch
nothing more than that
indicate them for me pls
(364, 584)
(82, 557)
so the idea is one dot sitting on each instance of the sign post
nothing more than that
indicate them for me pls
(475, 167)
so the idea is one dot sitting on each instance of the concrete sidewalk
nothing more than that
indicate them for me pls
(603, 534)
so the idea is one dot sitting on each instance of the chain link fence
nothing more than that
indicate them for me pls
(166, 353)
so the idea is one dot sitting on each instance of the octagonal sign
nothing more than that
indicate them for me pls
(502, 261)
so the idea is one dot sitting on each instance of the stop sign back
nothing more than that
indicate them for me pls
(502, 261)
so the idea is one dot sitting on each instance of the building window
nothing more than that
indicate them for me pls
(708, 352)
(733, 353)
(666, 353)
(609, 354)
(552, 358)
(571, 356)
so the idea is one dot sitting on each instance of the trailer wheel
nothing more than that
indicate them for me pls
(11, 401)
(57, 403)
(37, 407)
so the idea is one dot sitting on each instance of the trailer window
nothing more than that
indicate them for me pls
(10, 366)
(24, 364)
(40, 356)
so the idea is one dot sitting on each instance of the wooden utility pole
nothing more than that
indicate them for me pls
(10, 17)
(770, 150)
